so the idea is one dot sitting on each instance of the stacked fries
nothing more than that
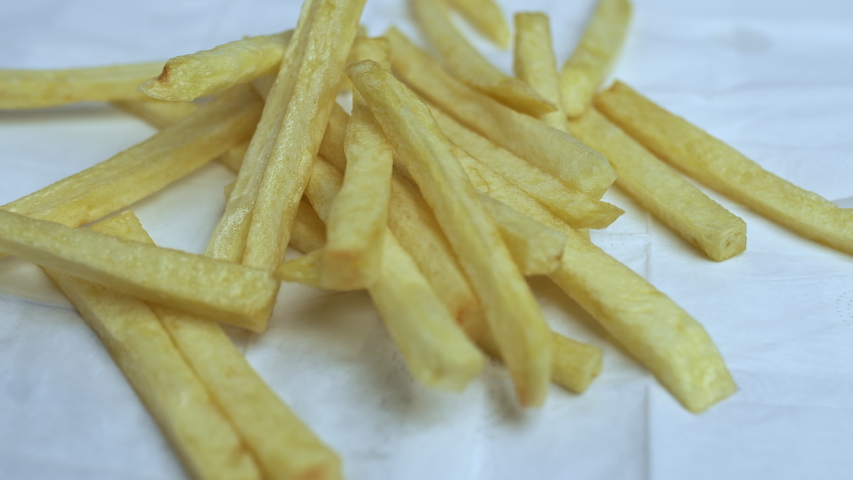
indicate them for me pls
(438, 194)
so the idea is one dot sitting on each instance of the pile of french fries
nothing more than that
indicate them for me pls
(448, 183)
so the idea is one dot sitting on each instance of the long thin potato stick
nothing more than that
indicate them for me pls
(595, 55)
(167, 385)
(228, 241)
(487, 17)
(534, 63)
(25, 89)
(572, 206)
(357, 221)
(283, 446)
(435, 349)
(556, 152)
(511, 311)
(216, 290)
(535, 248)
(470, 66)
(721, 167)
(297, 142)
(147, 167)
(212, 71)
(661, 190)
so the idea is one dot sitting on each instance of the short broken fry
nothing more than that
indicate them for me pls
(595, 55)
(470, 66)
(511, 311)
(721, 167)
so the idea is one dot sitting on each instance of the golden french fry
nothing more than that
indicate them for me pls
(188, 416)
(472, 67)
(577, 209)
(216, 290)
(435, 349)
(157, 113)
(26, 89)
(556, 152)
(487, 17)
(595, 55)
(309, 231)
(666, 194)
(212, 71)
(665, 338)
(282, 445)
(535, 248)
(511, 311)
(147, 167)
(721, 167)
(356, 225)
(534, 64)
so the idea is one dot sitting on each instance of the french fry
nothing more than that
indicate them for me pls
(665, 338)
(212, 71)
(681, 206)
(535, 248)
(282, 445)
(435, 349)
(487, 17)
(721, 167)
(534, 64)
(574, 207)
(330, 38)
(216, 290)
(188, 416)
(145, 168)
(511, 311)
(556, 152)
(27, 89)
(414, 225)
(470, 66)
(356, 224)
(595, 55)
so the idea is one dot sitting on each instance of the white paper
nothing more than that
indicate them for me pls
(772, 78)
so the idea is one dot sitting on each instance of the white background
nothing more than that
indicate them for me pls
(772, 78)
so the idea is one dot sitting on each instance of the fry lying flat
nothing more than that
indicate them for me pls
(513, 315)
(23, 89)
(211, 289)
(726, 170)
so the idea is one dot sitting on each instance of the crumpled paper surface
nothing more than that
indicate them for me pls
(772, 78)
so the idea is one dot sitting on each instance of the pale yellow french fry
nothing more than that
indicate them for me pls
(572, 206)
(665, 338)
(216, 290)
(662, 191)
(721, 167)
(470, 66)
(212, 71)
(535, 248)
(283, 446)
(27, 89)
(145, 168)
(574, 365)
(594, 55)
(535, 65)
(356, 225)
(511, 311)
(487, 17)
(192, 421)
(435, 349)
(556, 152)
